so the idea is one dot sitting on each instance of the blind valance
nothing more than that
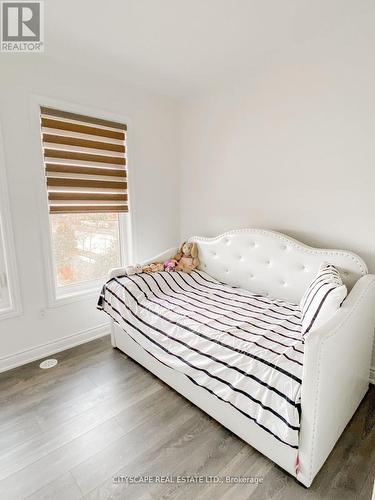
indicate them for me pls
(85, 163)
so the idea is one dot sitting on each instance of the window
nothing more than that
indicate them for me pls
(85, 246)
(5, 302)
(86, 178)
(10, 300)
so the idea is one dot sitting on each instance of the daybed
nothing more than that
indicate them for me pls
(227, 337)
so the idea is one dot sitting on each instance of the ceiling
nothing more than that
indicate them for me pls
(177, 47)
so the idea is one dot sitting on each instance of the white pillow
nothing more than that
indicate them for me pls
(322, 298)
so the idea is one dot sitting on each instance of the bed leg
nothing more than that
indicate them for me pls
(113, 337)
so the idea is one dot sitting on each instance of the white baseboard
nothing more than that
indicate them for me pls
(372, 375)
(41, 351)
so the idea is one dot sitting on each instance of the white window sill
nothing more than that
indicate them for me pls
(10, 312)
(76, 294)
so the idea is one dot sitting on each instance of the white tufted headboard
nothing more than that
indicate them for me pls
(271, 263)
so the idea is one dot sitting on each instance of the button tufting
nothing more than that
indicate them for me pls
(268, 262)
(252, 276)
(284, 247)
(227, 270)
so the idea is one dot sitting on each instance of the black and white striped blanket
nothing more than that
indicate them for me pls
(244, 348)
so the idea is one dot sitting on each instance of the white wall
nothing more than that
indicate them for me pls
(290, 147)
(155, 180)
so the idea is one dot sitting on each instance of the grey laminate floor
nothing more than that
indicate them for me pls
(65, 433)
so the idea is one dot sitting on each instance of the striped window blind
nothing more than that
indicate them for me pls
(85, 163)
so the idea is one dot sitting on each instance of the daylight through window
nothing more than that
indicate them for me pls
(86, 178)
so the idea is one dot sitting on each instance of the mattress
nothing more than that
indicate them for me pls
(244, 348)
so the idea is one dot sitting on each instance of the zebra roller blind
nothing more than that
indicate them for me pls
(85, 163)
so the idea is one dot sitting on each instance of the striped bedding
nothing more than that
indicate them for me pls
(244, 348)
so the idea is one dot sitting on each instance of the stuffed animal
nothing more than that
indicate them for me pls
(187, 257)
(133, 269)
(170, 265)
(153, 268)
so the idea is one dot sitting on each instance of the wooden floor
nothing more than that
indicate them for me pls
(65, 433)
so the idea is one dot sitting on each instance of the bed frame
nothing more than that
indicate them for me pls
(337, 354)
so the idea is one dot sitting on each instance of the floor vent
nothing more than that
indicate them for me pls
(48, 363)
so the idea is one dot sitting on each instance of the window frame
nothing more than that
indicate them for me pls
(60, 295)
(90, 286)
(8, 245)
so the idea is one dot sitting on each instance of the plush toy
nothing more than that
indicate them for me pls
(170, 265)
(153, 268)
(133, 269)
(185, 260)
(187, 257)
